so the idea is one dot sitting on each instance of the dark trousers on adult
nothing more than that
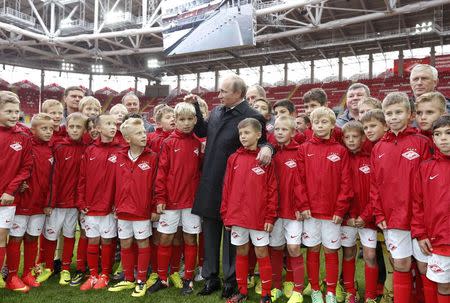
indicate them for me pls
(212, 232)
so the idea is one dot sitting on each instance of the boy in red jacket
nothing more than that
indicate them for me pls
(326, 183)
(15, 164)
(374, 125)
(255, 220)
(391, 190)
(62, 201)
(429, 224)
(175, 186)
(359, 220)
(96, 188)
(429, 107)
(56, 110)
(29, 219)
(135, 174)
(288, 227)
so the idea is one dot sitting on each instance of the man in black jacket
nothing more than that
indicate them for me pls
(222, 141)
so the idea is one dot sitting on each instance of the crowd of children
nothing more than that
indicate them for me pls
(326, 187)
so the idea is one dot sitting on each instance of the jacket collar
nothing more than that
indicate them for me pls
(242, 150)
(390, 136)
(317, 140)
(291, 146)
(440, 156)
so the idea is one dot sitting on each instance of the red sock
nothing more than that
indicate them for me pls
(82, 253)
(164, 254)
(251, 260)
(265, 272)
(42, 247)
(154, 257)
(201, 249)
(289, 271)
(443, 298)
(348, 275)
(313, 266)
(175, 259)
(2, 256)
(190, 256)
(13, 257)
(429, 289)
(417, 292)
(69, 243)
(143, 261)
(48, 252)
(30, 248)
(107, 257)
(241, 273)
(135, 253)
(402, 286)
(371, 277)
(332, 269)
(298, 271)
(126, 254)
(276, 258)
(92, 258)
(113, 252)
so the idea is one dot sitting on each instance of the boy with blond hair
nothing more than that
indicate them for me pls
(254, 221)
(165, 124)
(391, 191)
(29, 219)
(56, 110)
(90, 106)
(429, 107)
(119, 111)
(323, 164)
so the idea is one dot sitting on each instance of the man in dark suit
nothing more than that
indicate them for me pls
(222, 141)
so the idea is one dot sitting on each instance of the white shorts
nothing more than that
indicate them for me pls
(155, 224)
(417, 253)
(241, 236)
(140, 230)
(101, 226)
(32, 225)
(439, 268)
(170, 220)
(367, 236)
(82, 221)
(7, 216)
(398, 242)
(286, 231)
(318, 231)
(64, 219)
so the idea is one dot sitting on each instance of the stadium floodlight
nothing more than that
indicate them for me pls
(97, 68)
(424, 27)
(68, 67)
(153, 63)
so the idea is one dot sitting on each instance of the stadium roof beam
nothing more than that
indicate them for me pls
(286, 6)
(390, 4)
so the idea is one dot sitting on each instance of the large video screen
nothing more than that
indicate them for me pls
(199, 25)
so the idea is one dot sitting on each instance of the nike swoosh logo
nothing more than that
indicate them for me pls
(310, 155)
(90, 159)
(371, 240)
(265, 281)
(67, 158)
(122, 164)
(140, 232)
(380, 156)
(432, 177)
(333, 241)
(293, 237)
(177, 150)
(259, 239)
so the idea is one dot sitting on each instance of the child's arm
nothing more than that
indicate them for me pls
(272, 197)
(298, 192)
(304, 206)
(161, 194)
(345, 191)
(52, 187)
(226, 189)
(153, 214)
(82, 184)
(375, 200)
(418, 229)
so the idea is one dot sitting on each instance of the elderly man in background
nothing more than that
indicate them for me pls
(131, 102)
(255, 92)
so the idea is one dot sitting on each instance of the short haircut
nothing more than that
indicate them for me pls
(99, 119)
(77, 116)
(305, 118)
(353, 125)
(396, 98)
(425, 67)
(40, 118)
(433, 96)
(323, 112)
(290, 121)
(316, 94)
(8, 97)
(129, 95)
(89, 100)
(50, 103)
(358, 86)
(129, 124)
(374, 114)
(252, 122)
(71, 88)
(118, 107)
(238, 84)
(374, 102)
(184, 109)
(133, 115)
(162, 111)
(157, 108)
(285, 103)
(259, 90)
(443, 121)
(269, 106)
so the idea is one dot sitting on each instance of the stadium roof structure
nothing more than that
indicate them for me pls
(121, 36)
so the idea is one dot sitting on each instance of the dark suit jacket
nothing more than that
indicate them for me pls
(222, 141)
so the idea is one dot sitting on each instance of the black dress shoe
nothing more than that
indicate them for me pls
(229, 290)
(209, 287)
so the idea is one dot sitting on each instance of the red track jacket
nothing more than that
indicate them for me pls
(395, 161)
(325, 175)
(16, 161)
(250, 195)
(58, 136)
(134, 185)
(431, 204)
(178, 171)
(155, 139)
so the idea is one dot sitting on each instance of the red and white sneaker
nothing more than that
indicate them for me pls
(102, 282)
(15, 284)
(89, 284)
(30, 280)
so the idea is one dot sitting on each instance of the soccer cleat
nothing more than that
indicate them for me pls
(102, 282)
(139, 290)
(296, 297)
(30, 280)
(265, 299)
(2, 282)
(122, 285)
(15, 284)
(118, 274)
(198, 276)
(152, 279)
(64, 277)
(89, 284)
(350, 298)
(176, 280)
(316, 296)
(275, 294)
(330, 298)
(307, 291)
(77, 278)
(237, 298)
(288, 287)
(340, 293)
(371, 301)
(250, 281)
(258, 287)
(57, 264)
(158, 285)
(188, 287)
(44, 275)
